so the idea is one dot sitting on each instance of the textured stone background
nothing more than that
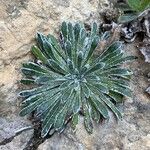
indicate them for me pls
(19, 21)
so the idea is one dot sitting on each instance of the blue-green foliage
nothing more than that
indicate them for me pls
(70, 81)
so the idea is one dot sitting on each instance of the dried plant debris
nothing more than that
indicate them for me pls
(135, 28)
(145, 49)
(141, 26)
(128, 32)
(111, 34)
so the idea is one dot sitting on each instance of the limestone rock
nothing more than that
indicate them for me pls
(148, 90)
(19, 22)
(10, 122)
(19, 142)
(145, 49)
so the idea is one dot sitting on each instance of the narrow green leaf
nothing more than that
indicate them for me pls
(121, 82)
(79, 59)
(77, 28)
(31, 72)
(125, 18)
(68, 48)
(49, 119)
(87, 119)
(84, 69)
(64, 30)
(65, 84)
(82, 37)
(37, 53)
(122, 90)
(32, 98)
(92, 48)
(144, 4)
(116, 96)
(111, 106)
(40, 38)
(44, 108)
(77, 102)
(92, 77)
(122, 60)
(95, 114)
(134, 4)
(36, 67)
(74, 120)
(60, 118)
(48, 48)
(44, 79)
(94, 68)
(70, 33)
(70, 66)
(27, 81)
(96, 89)
(94, 29)
(30, 108)
(105, 36)
(40, 89)
(85, 90)
(117, 72)
(54, 43)
(56, 67)
(99, 106)
(114, 47)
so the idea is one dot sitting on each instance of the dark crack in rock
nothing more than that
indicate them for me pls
(148, 89)
(64, 3)
(13, 11)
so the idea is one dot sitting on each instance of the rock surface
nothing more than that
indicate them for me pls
(19, 21)
(148, 89)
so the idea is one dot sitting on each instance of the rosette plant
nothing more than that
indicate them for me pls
(69, 80)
